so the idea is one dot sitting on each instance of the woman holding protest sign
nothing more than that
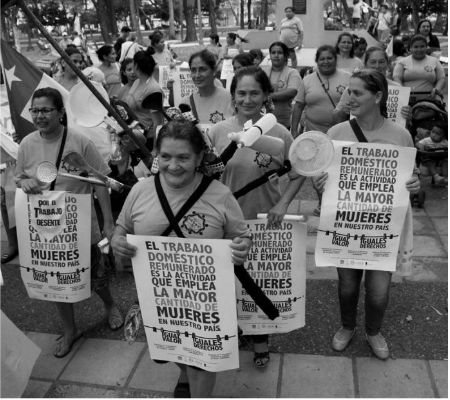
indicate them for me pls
(375, 58)
(422, 73)
(49, 142)
(368, 91)
(284, 80)
(250, 91)
(181, 148)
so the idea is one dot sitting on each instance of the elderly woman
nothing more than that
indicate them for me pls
(180, 148)
(284, 80)
(345, 50)
(422, 73)
(368, 91)
(110, 68)
(319, 94)
(250, 90)
(47, 111)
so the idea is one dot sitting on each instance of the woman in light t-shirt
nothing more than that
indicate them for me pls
(368, 97)
(346, 59)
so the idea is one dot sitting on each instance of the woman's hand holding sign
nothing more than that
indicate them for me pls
(120, 245)
(319, 181)
(239, 250)
(413, 184)
(30, 186)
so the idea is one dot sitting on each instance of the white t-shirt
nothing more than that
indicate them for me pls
(290, 31)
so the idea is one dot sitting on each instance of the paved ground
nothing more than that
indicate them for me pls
(302, 365)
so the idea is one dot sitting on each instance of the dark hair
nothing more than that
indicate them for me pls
(374, 81)
(181, 130)
(325, 47)
(398, 48)
(255, 53)
(155, 37)
(348, 34)
(283, 47)
(123, 67)
(55, 96)
(289, 8)
(417, 38)
(104, 51)
(215, 38)
(73, 50)
(373, 49)
(144, 62)
(359, 40)
(206, 56)
(259, 75)
(125, 29)
(421, 22)
(244, 59)
(234, 36)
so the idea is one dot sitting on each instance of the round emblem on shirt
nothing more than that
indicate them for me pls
(263, 160)
(194, 223)
(428, 68)
(280, 84)
(216, 117)
(68, 167)
(340, 89)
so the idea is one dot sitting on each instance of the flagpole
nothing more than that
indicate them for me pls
(87, 82)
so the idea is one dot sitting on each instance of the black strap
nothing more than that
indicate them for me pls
(358, 131)
(60, 153)
(263, 179)
(193, 108)
(173, 220)
(325, 89)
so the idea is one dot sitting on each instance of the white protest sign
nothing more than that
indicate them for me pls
(183, 86)
(187, 296)
(398, 97)
(227, 69)
(364, 206)
(277, 263)
(54, 237)
(232, 52)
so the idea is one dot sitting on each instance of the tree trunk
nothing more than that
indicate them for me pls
(234, 12)
(242, 21)
(135, 22)
(415, 13)
(106, 19)
(249, 14)
(347, 12)
(189, 16)
(264, 14)
(212, 15)
(171, 21)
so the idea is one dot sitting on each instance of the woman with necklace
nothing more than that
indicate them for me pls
(285, 82)
(346, 59)
(48, 113)
(368, 91)
(250, 91)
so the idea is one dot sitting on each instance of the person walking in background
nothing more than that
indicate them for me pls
(65, 41)
(357, 14)
(384, 23)
(291, 34)
(124, 34)
(284, 80)
(129, 48)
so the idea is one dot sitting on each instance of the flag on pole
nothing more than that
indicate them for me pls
(22, 79)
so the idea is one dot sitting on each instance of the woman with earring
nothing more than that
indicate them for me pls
(368, 91)
(250, 91)
(345, 51)
(52, 137)
(284, 80)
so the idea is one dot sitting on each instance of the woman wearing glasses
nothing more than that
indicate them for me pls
(45, 144)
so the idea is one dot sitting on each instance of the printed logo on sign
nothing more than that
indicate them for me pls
(207, 344)
(172, 337)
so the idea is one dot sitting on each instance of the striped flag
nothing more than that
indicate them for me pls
(22, 79)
